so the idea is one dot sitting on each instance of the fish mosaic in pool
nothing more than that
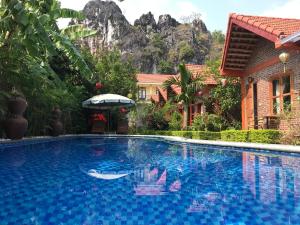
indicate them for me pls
(146, 181)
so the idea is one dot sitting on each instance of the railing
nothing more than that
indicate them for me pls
(265, 122)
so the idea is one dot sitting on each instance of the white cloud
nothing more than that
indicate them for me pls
(290, 9)
(133, 9)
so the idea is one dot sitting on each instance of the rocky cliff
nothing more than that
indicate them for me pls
(153, 46)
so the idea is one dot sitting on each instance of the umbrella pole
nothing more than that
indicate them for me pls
(108, 122)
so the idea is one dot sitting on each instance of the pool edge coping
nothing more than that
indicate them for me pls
(271, 147)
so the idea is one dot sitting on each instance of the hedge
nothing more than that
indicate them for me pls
(235, 135)
(254, 136)
(265, 136)
(203, 135)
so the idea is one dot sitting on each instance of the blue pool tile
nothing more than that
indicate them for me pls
(63, 182)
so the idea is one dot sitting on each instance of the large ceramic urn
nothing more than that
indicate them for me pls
(56, 124)
(16, 125)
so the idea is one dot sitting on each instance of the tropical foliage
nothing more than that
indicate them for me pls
(189, 86)
(30, 45)
(116, 76)
(224, 100)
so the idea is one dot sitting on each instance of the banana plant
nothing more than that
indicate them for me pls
(31, 25)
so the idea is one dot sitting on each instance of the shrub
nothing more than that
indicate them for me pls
(199, 123)
(185, 134)
(186, 51)
(254, 136)
(206, 135)
(264, 136)
(176, 121)
(157, 121)
(207, 122)
(234, 135)
(166, 67)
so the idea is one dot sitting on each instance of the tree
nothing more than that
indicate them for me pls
(117, 76)
(166, 67)
(30, 42)
(218, 36)
(186, 51)
(189, 86)
(192, 17)
(225, 99)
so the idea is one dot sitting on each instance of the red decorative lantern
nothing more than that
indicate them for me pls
(123, 110)
(223, 82)
(99, 117)
(99, 85)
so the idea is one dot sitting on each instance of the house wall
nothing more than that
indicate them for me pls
(263, 65)
(150, 90)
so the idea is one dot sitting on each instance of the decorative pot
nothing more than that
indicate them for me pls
(56, 128)
(15, 127)
(56, 125)
(17, 105)
(56, 113)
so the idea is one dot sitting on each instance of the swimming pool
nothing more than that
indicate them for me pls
(145, 181)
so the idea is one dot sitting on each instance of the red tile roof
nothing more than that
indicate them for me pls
(176, 89)
(197, 70)
(155, 98)
(160, 78)
(279, 27)
(152, 78)
(163, 93)
(270, 28)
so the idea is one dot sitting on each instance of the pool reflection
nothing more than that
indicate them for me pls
(272, 178)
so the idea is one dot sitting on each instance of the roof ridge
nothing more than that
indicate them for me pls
(269, 17)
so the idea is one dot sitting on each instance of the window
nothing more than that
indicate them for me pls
(142, 93)
(281, 95)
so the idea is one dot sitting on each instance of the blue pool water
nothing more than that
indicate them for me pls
(136, 181)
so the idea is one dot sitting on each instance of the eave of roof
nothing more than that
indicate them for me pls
(270, 28)
(152, 78)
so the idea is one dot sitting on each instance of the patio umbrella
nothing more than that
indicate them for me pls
(107, 101)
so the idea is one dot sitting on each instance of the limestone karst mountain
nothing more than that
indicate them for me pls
(152, 45)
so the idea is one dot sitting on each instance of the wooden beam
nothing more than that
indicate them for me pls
(259, 31)
(233, 68)
(244, 33)
(235, 64)
(242, 44)
(236, 60)
(239, 54)
(240, 50)
(243, 39)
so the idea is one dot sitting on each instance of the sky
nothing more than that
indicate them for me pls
(214, 12)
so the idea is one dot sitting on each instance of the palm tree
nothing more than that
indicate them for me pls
(189, 86)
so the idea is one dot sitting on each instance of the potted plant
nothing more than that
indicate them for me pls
(56, 126)
(16, 125)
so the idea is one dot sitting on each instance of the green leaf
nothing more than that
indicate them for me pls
(72, 53)
(22, 18)
(69, 13)
(76, 32)
(18, 6)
